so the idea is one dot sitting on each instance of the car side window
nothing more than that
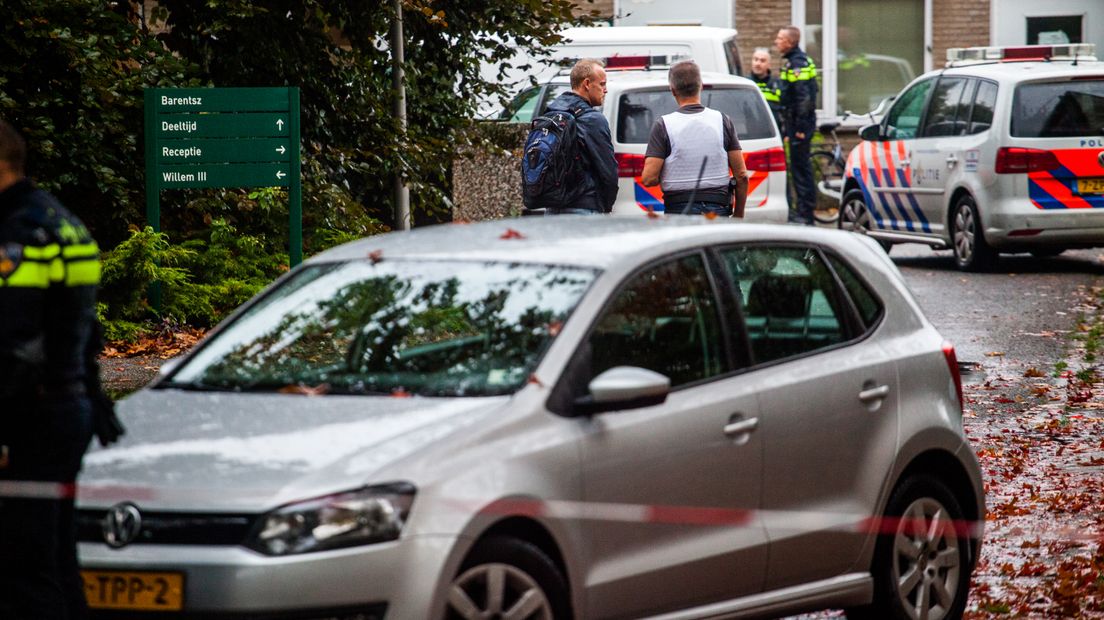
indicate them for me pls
(948, 109)
(789, 299)
(903, 119)
(986, 99)
(732, 55)
(522, 109)
(869, 307)
(664, 319)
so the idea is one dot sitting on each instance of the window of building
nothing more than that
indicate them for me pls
(1054, 30)
(865, 50)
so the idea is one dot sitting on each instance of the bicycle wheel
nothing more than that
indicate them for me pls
(828, 179)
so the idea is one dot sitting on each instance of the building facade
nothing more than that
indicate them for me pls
(867, 50)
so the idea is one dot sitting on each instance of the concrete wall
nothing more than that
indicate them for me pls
(486, 183)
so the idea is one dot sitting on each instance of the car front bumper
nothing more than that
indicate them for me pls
(401, 576)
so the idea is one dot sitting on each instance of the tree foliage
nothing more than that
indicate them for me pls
(72, 74)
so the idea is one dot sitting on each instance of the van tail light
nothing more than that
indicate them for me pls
(1016, 160)
(770, 160)
(629, 164)
(952, 365)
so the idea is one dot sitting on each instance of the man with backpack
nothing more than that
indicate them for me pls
(568, 165)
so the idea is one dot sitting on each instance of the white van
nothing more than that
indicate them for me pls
(714, 49)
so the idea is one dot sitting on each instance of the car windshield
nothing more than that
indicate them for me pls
(637, 112)
(432, 328)
(1059, 109)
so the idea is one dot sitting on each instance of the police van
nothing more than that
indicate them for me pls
(1000, 152)
(638, 94)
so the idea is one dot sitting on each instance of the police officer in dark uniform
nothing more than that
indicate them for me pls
(49, 270)
(799, 94)
(768, 84)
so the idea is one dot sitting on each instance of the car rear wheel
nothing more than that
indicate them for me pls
(922, 559)
(855, 216)
(971, 251)
(508, 578)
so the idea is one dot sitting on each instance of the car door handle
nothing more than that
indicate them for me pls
(951, 161)
(873, 394)
(905, 163)
(739, 426)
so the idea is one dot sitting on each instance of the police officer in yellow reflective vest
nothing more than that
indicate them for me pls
(767, 83)
(799, 95)
(49, 270)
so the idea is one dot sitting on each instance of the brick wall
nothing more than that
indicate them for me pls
(958, 23)
(757, 21)
(604, 8)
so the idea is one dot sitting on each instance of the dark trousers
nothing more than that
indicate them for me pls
(698, 208)
(802, 173)
(39, 574)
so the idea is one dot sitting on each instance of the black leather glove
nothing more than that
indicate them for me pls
(105, 424)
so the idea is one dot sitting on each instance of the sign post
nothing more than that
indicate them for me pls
(224, 137)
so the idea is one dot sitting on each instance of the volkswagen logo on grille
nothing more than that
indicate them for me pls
(122, 524)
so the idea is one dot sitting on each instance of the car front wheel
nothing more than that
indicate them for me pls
(971, 251)
(508, 578)
(855, 216)
(921, 563)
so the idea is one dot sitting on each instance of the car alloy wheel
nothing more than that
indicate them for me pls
(927, 562)
(498, 591)
(854, 216)
(923, 556)
(508, 578)
(971, 251)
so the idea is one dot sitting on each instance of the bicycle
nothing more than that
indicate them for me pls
(829, 165)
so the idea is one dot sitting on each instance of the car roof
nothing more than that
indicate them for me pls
(582, 241)
(650, 77)
(1023, 71)
(651, 34)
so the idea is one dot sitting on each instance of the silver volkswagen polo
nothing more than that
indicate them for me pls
(545, 418)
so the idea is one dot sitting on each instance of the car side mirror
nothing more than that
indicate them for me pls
(871, 133)
(624, 387)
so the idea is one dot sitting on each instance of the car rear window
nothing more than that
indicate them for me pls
(637, 111)
(1071, 108)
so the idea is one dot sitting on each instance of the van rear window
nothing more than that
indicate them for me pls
(637, 111)
(1065, 109)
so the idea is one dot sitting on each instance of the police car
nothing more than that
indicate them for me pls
(638, 94)
(1000, 152)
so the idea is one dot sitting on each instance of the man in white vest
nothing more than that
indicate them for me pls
(692, 152)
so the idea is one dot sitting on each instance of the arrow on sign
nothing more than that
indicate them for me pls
(279, 123)
(280, 149)
(280, 175)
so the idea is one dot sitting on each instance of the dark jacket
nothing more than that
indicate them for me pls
(771, 88)
(799, 93)
(598, 190)
(49, 270)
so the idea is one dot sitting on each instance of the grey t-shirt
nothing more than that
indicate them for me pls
(659, 145)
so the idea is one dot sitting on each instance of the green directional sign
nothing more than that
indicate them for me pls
(223, 151)
(224, 137)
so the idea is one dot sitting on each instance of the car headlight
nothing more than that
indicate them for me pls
(360, 517)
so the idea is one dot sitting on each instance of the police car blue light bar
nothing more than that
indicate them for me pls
(958, 56)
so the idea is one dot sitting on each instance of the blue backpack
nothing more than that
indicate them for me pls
(551, 164)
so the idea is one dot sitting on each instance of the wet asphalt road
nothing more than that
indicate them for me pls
(1016, 310)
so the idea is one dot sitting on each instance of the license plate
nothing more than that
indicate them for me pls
(1090, 186)
(142, 591)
